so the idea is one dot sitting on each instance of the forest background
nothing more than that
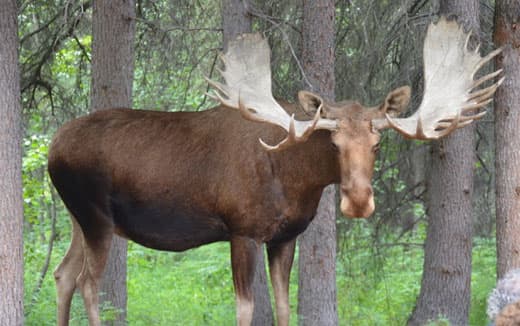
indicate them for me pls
(377, 48)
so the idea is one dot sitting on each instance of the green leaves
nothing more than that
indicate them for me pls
(36, 148)
(36, 188)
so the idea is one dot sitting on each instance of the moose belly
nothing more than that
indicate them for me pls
(166, 227)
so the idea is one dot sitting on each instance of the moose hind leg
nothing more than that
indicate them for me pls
(281, 256)
(244, 257)
(67, 272)
(96, 246)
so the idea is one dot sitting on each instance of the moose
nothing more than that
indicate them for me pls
(177, 180)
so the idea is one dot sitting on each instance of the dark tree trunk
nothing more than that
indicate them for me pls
(446, 281)
(507, 136)
(11, 203)
(235, 21)
(113, 29)
(317, 257)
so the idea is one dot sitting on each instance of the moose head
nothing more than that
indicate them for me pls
(449, 102)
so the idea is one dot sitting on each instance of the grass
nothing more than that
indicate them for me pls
(192, 288)
(375, 286)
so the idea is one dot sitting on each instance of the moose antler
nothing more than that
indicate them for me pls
(450, 100)
(247, 88)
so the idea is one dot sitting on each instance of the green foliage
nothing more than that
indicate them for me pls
(377, 283)
(379, 279)
(482, 279)
(36, 192)
(194, 287)
(375, 286)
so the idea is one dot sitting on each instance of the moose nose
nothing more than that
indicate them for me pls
(357, 201)
(359, 190)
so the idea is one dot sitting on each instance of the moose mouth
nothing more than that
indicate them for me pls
(356, 208)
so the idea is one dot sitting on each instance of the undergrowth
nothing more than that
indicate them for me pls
(377, 283)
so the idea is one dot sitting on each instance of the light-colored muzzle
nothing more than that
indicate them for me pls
(357, 201)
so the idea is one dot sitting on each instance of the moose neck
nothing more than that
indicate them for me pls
(310, 165)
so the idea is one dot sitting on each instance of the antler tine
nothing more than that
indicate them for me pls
(485, 93)
(291, 137)
(485, 60)
(477, 49)
(420, 131)
(472, 106)
(444, 132)
(487, 77)
(470, 118)
(247, 87)
(287, 142)
(246, 113)
(450, 98)
(444, 125)
(392, 123)
(221, 92)
(464, 119)
(441, 130)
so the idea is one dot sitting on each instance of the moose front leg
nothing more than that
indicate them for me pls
(281, 256)
(244, 257)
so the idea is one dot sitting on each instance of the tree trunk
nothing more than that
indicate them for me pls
(11, 203)
(113, 29)
(507, 136)
(263, 311)
(235, 21)
(317, 256)
(445, 287)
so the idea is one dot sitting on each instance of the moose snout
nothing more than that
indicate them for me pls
(357, 201)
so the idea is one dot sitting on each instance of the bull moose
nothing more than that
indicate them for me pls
(175, 181)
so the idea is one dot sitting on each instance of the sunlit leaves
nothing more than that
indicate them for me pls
(36, 191)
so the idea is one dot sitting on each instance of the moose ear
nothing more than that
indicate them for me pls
(310, 102)
(396, 101)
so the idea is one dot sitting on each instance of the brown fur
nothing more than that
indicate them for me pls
(174, 181)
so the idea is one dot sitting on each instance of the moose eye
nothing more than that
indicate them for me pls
(376, 147)
(334, 147)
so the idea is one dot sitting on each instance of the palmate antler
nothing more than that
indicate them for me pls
(247, 87)
(450, 100)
